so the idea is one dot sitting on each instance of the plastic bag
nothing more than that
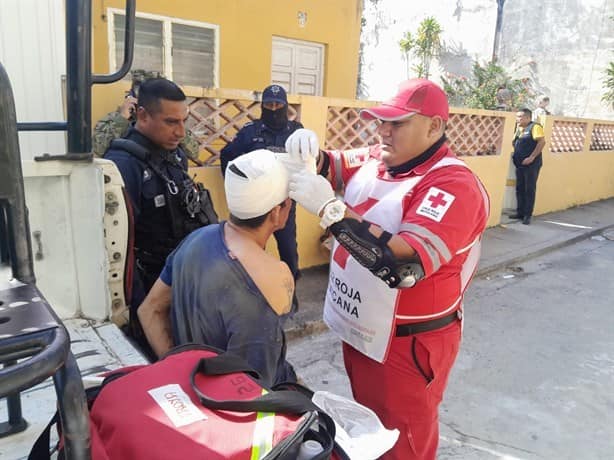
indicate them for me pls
(359, 430)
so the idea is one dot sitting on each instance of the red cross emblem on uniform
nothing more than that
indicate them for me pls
(435, 204)
(437, 200)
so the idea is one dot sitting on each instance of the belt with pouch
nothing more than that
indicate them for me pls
(403, 330)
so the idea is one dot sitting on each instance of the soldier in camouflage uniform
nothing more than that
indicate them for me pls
(115, 124)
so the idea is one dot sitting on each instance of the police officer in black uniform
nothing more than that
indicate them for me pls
(270, 132)
(165, 202)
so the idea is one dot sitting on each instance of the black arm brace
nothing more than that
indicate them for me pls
(325, 164)
(374, 254)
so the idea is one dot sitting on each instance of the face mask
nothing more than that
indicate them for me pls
(275, 119)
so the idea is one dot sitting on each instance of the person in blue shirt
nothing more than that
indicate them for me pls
(220, 287)
(270, 132)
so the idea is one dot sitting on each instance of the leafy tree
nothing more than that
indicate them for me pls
(608, 82)
(608, 85)
(361, 86)
(480, 90)
(424, 45)
(406, 44)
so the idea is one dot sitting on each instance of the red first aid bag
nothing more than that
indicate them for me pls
(198, 404)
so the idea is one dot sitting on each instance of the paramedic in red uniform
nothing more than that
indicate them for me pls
(407, 243)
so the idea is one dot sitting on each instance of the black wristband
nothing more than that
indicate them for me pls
(325, 164)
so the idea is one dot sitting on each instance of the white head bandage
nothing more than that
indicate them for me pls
(255, 183)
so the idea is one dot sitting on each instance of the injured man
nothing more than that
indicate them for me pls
(220, 287)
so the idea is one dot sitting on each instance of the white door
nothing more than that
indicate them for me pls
(298, 66)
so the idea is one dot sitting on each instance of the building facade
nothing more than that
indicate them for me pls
(308, 47)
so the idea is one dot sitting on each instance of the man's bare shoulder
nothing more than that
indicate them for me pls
(271, 276)
(275, 281)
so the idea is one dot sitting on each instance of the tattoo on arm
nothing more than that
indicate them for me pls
(289, 288)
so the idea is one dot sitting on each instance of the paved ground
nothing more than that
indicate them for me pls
(503, 245)
(534, 379)
(535, 374)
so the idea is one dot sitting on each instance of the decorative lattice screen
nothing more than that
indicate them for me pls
(345, 129)
(602, 137)
(215, 121)
(475, 134)
(469, 134)
(567, 136)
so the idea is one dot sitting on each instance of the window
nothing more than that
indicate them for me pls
(148, 45)
(183, 51)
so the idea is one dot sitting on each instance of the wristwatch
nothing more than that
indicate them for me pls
(333, 212)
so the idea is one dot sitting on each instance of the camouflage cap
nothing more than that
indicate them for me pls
(141, 75)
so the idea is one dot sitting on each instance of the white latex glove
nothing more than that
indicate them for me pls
(311, 191)
(295, 164)
(303, 143)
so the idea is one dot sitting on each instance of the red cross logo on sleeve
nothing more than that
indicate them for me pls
(435, 204)
(437, 200)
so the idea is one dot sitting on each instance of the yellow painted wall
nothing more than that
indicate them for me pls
(313, 115)
(492, 170)
(246, 28)
(573, 178)
(245, 40)
(566, 180)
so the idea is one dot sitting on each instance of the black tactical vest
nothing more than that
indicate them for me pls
(524, 144)
(172, 204)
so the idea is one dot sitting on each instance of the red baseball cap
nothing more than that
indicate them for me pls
(417, 95)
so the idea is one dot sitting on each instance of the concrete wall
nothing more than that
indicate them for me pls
(564, 46)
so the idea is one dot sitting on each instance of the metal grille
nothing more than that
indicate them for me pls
(567, 136)
(346, 130)
(472, 135)
(215, 121)
(602, 137)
